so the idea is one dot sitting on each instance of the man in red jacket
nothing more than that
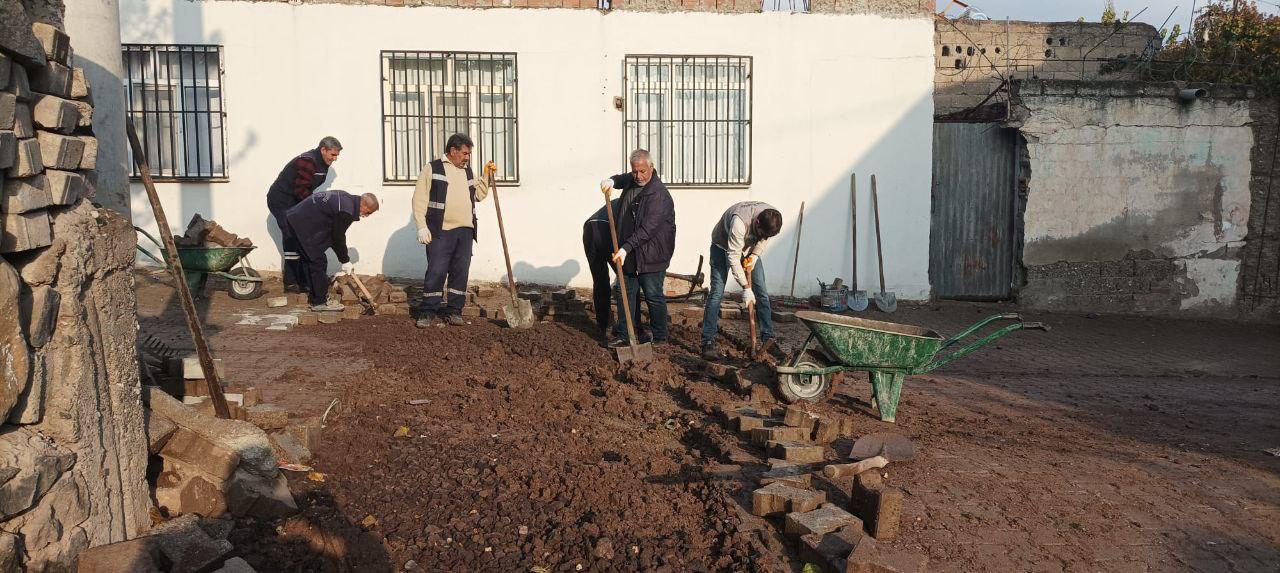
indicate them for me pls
(297, 180)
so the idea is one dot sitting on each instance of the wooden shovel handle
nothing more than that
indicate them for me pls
(622, 279)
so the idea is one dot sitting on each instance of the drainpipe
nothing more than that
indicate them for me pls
(1190, 95)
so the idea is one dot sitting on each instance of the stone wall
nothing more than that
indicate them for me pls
(1136, 201)
(973, 56)
(892, 8)
(1260, 261)
(72, 445)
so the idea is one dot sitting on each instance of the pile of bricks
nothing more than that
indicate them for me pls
(46, 145)
(833, 538)
(548, 304)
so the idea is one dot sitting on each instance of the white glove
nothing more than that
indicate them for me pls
(347, 269)
(748, 297)
(620, 256)
(424, 236)
(606, 184)
(749, 263)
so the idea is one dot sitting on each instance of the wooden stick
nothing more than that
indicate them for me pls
(622, 279)
(502, 232)
(175, 266)
(846, 470)
(796, 263)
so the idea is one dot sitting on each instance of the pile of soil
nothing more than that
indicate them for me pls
(534, 449)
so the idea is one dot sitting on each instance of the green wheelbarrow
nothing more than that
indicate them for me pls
(200, 262)
(885, 350)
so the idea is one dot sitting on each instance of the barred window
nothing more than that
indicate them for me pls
(693, 114)
(428, 96)
(173, 94)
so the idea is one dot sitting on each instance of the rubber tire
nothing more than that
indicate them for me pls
(244, 290)
(792, 389)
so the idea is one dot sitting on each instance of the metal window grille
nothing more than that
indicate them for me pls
(173, 93)
(693, 114)
(428, 96)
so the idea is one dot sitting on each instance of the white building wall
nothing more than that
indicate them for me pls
(833, 94)
(94, 26)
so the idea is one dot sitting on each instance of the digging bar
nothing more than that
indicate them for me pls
(518, 314)
(175, 267)
(857, 298)
(885, 301)
(795, 263)
(636, 352)
(366, 299)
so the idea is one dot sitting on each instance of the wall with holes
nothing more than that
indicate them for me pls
(833, 94)
(974, 57)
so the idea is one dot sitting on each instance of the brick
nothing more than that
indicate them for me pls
(762, 436)
(27, 161)
(692, 312)
(23, 126)
(55, 113)
(277, 301)
(398, 295)
(799, 452)
(19, 83)
(267, 416)
(60, 151)
(821, 521)
(65, 187)
(8, 149)
(25, 194)
(191, 368)
(8, 105)
(329, 317)
(192, 449)
(826, 430)
(39, 307)
(779, 498)
(79, 85)
(52, 79)
(308, 319)
(880, 508)
(55, 42)
(472, 311)
(25, 231)
(730, 313)
(798, 417)
(784, 316)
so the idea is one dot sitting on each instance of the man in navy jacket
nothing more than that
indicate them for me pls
(646, 225)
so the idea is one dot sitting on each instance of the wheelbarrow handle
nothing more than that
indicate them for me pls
(1035, 326)
(978, 325)
(972, 346)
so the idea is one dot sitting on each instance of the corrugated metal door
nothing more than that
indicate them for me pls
(972, 239)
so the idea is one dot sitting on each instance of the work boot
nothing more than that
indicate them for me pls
(455, 320)
(425, 321)
(710, 354)
(619, 342)
(328, 306)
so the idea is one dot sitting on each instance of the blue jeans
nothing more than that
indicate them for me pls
(711, 313)
(654, 297)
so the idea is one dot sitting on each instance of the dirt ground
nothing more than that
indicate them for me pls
(1106, 444)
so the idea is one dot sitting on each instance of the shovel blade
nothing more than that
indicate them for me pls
(635, 353)
(858, 301)
(518, 314)
(887, 301)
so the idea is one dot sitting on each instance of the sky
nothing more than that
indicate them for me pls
(1072, 10)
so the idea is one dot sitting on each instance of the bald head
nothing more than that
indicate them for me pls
(368, 204)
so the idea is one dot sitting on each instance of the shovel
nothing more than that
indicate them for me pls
(518, 314)
(857, 298)
(885, 301)
(366, 299)
(635, 352)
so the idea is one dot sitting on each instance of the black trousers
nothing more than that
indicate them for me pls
(317, 280)
(293, 269)
(598, 247)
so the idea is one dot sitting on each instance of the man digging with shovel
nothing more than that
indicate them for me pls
(444, 209)
(736, 243)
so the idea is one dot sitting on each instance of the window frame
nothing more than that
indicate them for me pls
(672, 129)
(178, 116)
(508, 175)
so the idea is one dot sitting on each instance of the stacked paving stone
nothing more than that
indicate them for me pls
(833, 538)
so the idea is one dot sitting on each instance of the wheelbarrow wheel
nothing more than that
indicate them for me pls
(804, 387)
(245, 290)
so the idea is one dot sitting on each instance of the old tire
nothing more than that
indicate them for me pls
(244, 290)
(804, 387)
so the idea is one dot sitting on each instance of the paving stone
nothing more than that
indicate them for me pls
(784, 316)
(831, 550)
(25, 231)
(55, 42)
(277, 301)
(352, 312)
(60, 151)
(472, 311)
(398, 295)
(880, 508)
(191, 368)
(779, 498)
(308, 319)
(256, 496)
(796, 476)
(250, 397)
(193, 449)
(267, 416)
(8, 151)
(27, 161)
(798, 417)
(84, 113)
(79, 84)
(8, 108)
(826, 430)
(25, 194)
(52, 79)
(55, 113)
(40, 312)
(65, 187)
(158, 428)
(797, 451)
(762, 436)
(24, 127)
(329, 317)
(397, 309)
(821, 521)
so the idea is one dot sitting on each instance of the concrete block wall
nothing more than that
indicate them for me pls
(1135, 202)
(973, 56)
(910, 8)
(72, 444)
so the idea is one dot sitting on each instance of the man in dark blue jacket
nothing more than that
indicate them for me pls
(320, 223)
(598, 247)
(646, 225)
(298, 180)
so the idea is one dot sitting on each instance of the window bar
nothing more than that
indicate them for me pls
(221, 114)
(180, 131)
(173, 145)
(208, 106)
(155, 79)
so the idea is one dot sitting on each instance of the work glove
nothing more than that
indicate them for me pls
(620, 256)
(749, 263)
(606, 185)
(748, 297)
(424, 236)
(347, 269)
(490, 168)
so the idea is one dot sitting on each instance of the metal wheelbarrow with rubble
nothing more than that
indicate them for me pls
(886, 351)
(200, 262)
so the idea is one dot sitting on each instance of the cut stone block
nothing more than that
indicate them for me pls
(876, 558)
(779, 498)
(85, 109)
(28, 161)
(399, 295)
(65, 187)
(289, 448)
(5, 63)
(19, 83)
(55, 42)
(158, 428)
(796, 476)
(194, 450)
(799, 452)
(8, 149)
(40, 311)
(823, 520)
(831, 550)
(277, 301)
(187, 545)
(79, 85)
(255, 496)
(329, 317)
(308, 319)
(798, 417)
(60, 151)
(191, 368)
(16, 36)
(8, 105)
(24, 127)
(826, 430)
(55, 113)
(400, 309)
(762, 436)
(25, 231)
(307, 431)
(879, 507)
(784, 316)
(90, 158)
(187, 492)
(138, 555)
(25, 194)
(267, 416)
(247, 440)
(52, 79)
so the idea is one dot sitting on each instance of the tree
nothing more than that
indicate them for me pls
(1229, 42)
